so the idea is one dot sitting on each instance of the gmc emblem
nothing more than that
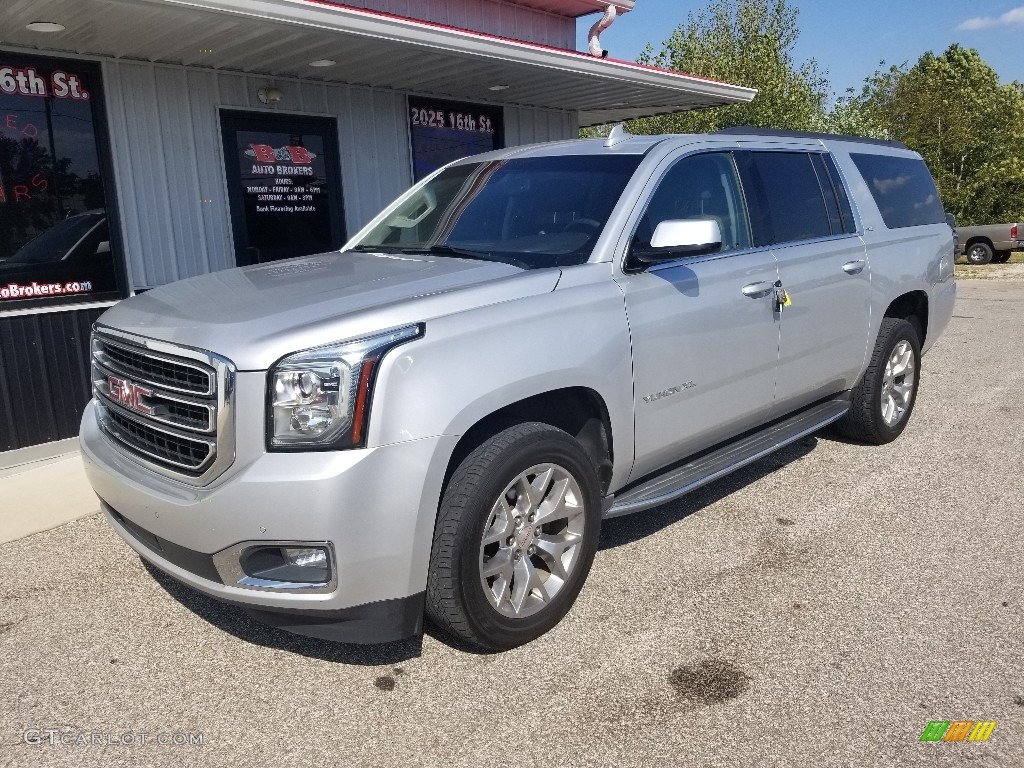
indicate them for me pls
(129, 394)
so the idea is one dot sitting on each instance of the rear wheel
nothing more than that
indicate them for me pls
(880, 405)
(516, 534)
(979, 253)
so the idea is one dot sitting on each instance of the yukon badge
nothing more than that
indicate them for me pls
(129, 394)
(670, 391)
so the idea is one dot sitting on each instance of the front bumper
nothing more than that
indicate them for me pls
(375, 507)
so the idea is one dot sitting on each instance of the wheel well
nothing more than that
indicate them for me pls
(912, 307)
(577, 410)
(974, 240)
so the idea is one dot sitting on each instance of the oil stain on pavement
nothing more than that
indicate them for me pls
(712, 681)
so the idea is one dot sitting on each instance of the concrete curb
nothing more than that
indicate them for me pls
(44, 495)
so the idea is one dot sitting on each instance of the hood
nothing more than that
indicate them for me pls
(256, 315)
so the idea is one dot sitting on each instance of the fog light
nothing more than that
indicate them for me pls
(284, 567)
(305, 557)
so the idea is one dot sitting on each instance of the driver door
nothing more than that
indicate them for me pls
(704, 330)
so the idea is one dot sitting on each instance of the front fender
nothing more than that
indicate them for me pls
(470, 364)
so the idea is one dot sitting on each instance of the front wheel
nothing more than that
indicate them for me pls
(516, 534)
(880, 405)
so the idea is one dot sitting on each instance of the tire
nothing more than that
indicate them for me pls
(880, 405)
(1001, 257)
(979, 253)
(478, 589)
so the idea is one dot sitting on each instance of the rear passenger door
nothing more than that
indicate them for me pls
(801, 209)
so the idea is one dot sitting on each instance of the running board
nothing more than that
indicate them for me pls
(708, 468)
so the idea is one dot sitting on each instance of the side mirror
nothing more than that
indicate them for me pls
(674, 238)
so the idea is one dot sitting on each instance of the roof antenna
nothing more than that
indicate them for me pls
(617, 135)
(598, 28)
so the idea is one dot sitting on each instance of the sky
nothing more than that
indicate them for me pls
(848, 38)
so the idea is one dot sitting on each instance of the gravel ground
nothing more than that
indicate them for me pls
(817, 609)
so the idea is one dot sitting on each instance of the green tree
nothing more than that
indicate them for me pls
(749, 43)
(968, 127)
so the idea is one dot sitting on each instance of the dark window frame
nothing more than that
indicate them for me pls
(108, 182)
(495, 112)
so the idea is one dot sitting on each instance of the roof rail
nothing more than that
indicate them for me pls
(752, 131)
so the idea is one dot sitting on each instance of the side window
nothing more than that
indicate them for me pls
(902, 188)
(699, 187)
(795, 203)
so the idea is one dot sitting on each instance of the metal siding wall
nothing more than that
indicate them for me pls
(44, 376)
(165, 131)
(527, 125)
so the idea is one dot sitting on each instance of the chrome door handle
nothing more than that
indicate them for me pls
(757, 290)
(854, 267)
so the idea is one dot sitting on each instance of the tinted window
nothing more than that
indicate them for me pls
(53, 238)
(902, 188)
(795, 205)
(533, 212)
(698, 187)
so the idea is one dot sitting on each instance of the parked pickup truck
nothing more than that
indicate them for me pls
(990, 242)
(436, 419)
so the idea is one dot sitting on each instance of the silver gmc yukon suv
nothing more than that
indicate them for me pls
(435, 420)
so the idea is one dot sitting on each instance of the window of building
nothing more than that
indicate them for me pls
(55, 239)
(443, 131)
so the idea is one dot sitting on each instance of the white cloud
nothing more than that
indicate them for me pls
(1010, 18)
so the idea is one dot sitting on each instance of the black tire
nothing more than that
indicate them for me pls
(979, 253)
(865, 420)
(1001, 257)
(456, 599)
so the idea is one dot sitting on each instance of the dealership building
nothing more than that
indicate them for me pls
(147, 141)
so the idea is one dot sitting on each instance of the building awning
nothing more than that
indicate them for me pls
(280, 38)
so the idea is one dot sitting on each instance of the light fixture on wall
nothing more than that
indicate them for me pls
(269, 95)
(45, 26)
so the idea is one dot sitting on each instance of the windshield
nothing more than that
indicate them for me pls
(54, 243)
(532, 212)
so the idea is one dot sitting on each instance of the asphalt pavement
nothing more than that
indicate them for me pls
(819, 608)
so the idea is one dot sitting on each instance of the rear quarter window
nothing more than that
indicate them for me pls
(902, 188)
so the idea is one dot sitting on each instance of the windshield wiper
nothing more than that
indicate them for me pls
(443, 249)
(364, 248)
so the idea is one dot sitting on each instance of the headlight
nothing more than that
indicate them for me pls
(320, 398)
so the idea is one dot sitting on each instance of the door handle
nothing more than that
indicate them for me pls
(757, 290)
(854, 267)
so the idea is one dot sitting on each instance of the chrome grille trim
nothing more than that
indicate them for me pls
(207, 423)
(112, 417)
(172, 428)
(118, 358)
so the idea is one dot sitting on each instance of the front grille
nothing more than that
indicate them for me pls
(164, 405)
(143, 366)
(175, 450)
